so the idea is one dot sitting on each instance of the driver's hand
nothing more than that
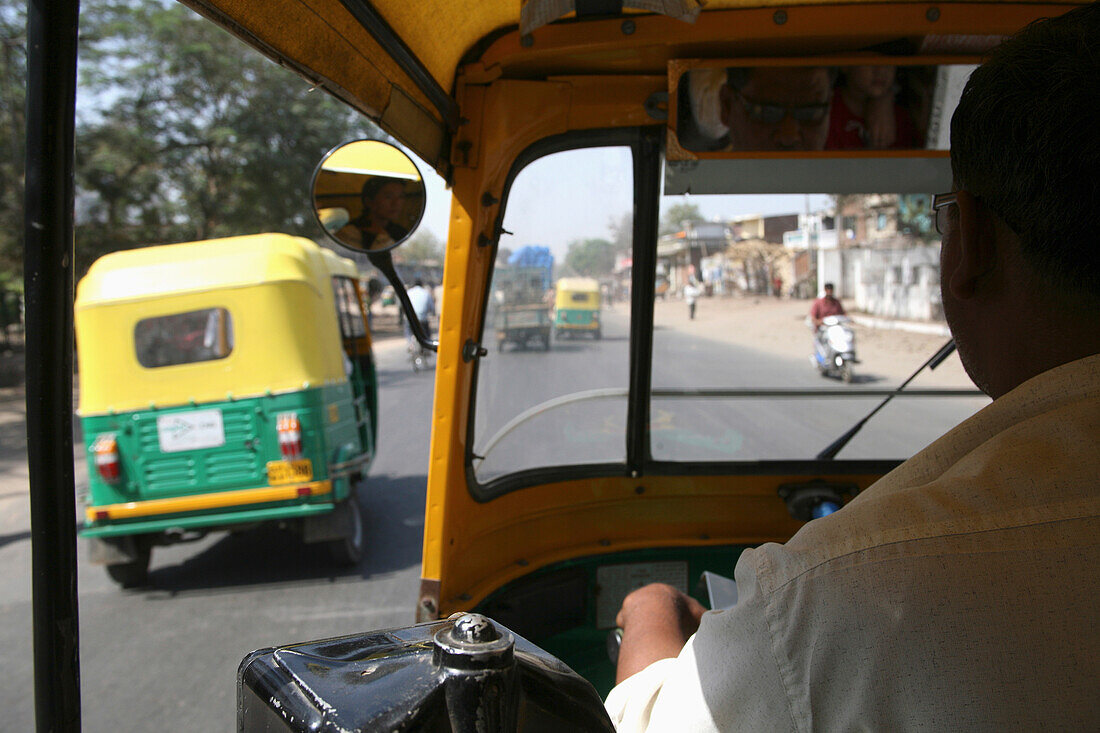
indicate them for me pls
(656, 620)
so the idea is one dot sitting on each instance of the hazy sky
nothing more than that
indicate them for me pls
(576, 194)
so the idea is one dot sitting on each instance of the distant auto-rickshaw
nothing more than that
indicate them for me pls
(577, 307)
(222, 384)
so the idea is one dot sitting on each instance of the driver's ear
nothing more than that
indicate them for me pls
(975, 244)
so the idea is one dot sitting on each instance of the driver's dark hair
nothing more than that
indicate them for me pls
(1025, 140)
(374, 184)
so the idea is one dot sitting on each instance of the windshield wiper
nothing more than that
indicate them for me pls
(829, 453)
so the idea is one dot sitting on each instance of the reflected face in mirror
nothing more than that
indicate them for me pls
(377, 226)
(386, 202)
(776, 108)
(368, 195)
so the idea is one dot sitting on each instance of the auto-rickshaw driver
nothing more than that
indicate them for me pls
(877, 616)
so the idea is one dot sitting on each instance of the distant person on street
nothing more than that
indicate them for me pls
(691, 294)
(423, 304)
(825, 306)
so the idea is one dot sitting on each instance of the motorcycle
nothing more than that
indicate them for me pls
(834, 348)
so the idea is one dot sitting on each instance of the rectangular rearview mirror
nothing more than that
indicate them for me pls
(832, 107)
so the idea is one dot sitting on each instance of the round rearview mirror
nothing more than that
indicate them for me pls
(368, 195)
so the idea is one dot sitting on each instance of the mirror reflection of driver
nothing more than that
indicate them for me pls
(776, 108)
(376, 227)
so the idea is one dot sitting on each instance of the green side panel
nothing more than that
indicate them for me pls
(342, 437)
(556, 607)
(364, 395)
(150, 470)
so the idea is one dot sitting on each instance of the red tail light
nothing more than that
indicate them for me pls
(107, 462)
(289, 429)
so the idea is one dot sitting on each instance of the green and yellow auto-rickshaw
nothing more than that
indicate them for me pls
(577, 307)
(223, 383)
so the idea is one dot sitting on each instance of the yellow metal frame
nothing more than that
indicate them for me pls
(200, 502)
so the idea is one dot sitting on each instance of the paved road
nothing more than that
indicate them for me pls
(165, 657)
(569, 404)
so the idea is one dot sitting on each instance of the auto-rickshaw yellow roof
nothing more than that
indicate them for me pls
(232, 262)
(396, 60)
(585, 284)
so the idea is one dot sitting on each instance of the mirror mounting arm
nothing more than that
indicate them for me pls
(384, 263)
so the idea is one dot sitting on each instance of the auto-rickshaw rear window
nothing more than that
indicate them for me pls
(184, 338)
(580, 297)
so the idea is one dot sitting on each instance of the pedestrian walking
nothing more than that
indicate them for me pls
(691, 294)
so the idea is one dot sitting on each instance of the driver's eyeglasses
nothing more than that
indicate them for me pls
(941, 203)
(773, 114)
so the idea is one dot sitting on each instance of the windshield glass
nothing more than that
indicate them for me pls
(779, 321)
(741, 372)
(557, 373)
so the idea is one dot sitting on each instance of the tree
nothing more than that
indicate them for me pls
(13, 75)
(204, 137)
(423, 247)
(591, 257)
(674, 218)
(622, 232)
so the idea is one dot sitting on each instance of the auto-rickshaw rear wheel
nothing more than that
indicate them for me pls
(133, 573)
(348, 550)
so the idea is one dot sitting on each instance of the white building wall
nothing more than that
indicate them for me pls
(830, 269)
(900, 284)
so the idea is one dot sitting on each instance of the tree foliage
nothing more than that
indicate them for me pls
(189, 134)
(422, 248)
(674, 218)
(13, 74)
(622, 232)
(591, 257)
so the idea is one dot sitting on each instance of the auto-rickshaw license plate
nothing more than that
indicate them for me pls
(289, 472)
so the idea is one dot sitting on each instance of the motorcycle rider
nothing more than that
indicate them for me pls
(825, 306)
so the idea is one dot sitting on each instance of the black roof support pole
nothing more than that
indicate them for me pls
(48, 289)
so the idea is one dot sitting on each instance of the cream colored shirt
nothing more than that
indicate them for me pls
(959, 592)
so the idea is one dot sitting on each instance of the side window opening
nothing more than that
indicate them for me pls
(348, 311)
